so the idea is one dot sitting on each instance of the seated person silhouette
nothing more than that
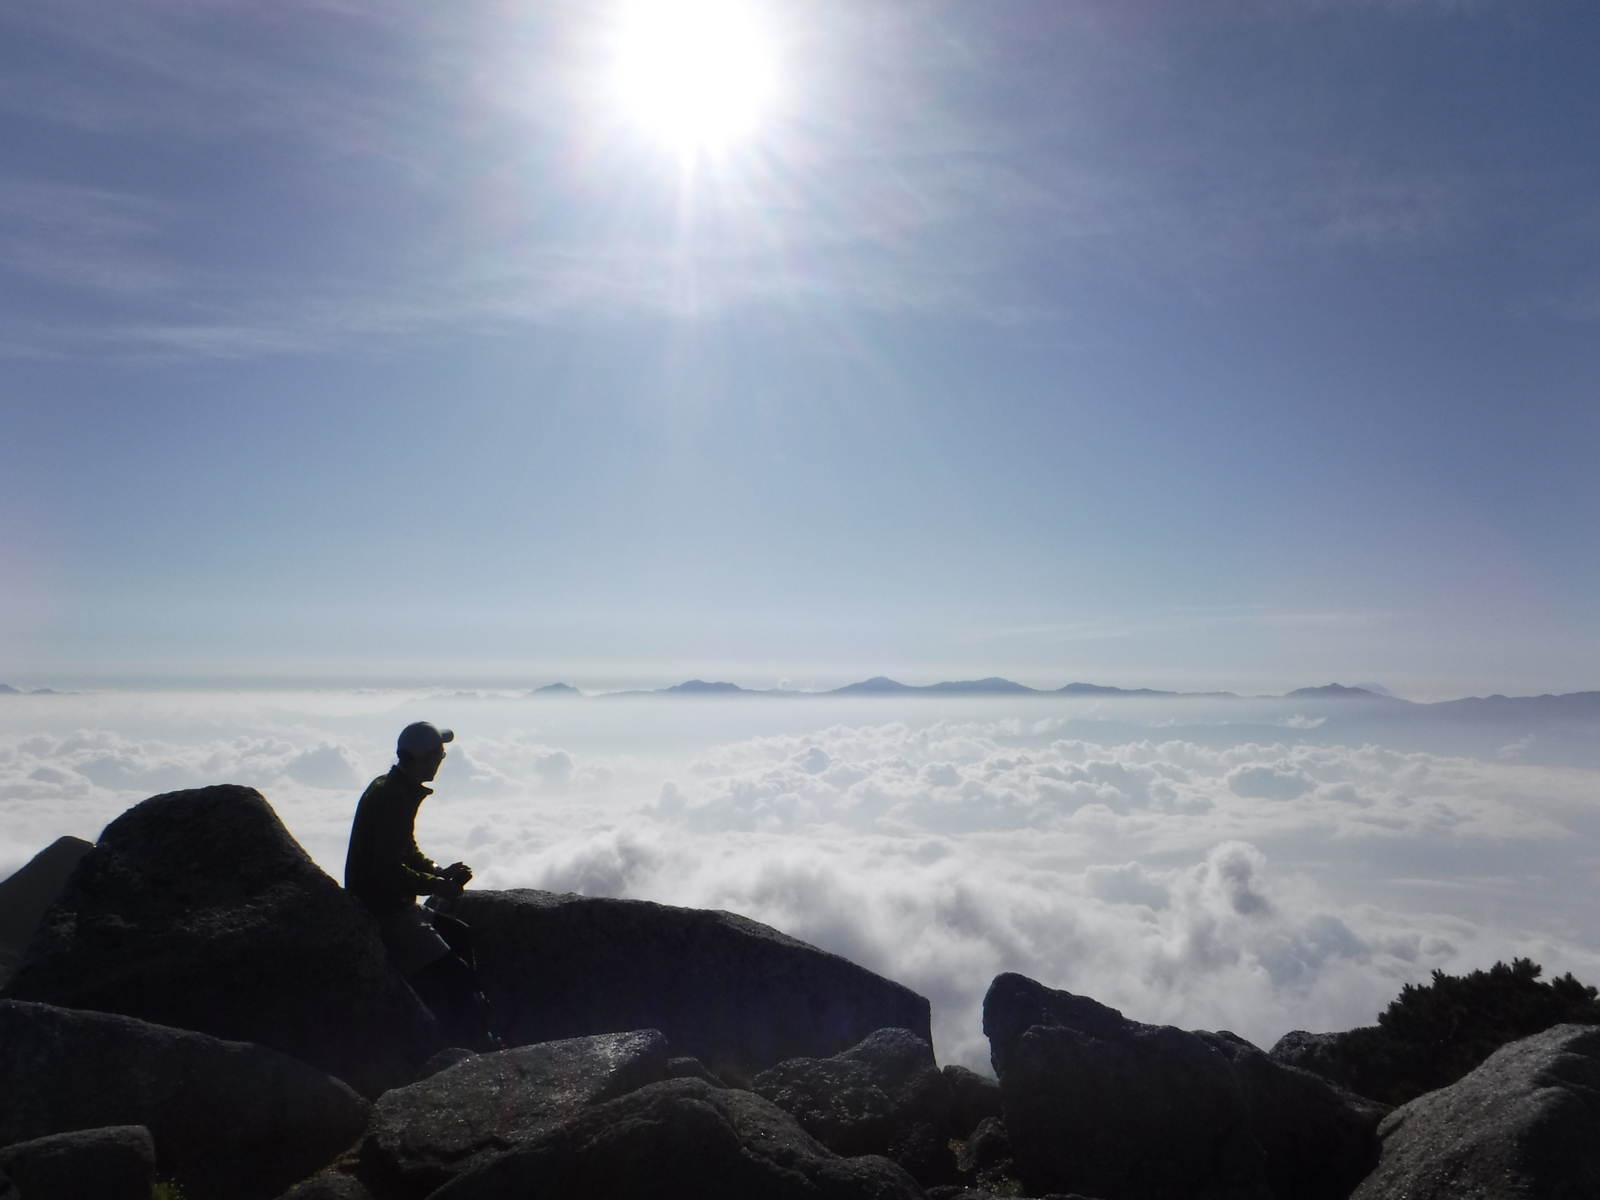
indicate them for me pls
(387, 872)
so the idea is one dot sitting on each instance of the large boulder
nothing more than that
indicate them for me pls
(733, 993)
(681, 1139)
(230, 1121)
(1319, 1139)
(423, 1135)
(114, 1163)
(26, 895)
(1099, 1104)
(198, 910)
(1524, 1124)
(884, 1096)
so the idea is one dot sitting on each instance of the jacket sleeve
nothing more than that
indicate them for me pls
(422, 874)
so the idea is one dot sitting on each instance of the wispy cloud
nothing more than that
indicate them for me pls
(914, 174)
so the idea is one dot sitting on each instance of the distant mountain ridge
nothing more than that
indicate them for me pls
(994, 685)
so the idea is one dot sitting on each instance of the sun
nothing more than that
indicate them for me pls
(698, 74)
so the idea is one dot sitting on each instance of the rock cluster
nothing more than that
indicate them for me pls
(202, 1005)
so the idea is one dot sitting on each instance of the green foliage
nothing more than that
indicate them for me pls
(1433, 1034)
(165, 1189)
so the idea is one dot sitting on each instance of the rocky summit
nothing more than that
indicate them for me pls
(198, 1010)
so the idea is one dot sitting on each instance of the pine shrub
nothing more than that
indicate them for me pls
(1433, 1034)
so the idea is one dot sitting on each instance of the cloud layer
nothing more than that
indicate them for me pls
(1257, 887)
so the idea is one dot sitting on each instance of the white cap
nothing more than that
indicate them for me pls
(421, 738)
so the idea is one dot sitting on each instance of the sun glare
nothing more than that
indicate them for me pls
(697, 73)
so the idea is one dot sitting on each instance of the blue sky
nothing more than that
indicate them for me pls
(1227, 344)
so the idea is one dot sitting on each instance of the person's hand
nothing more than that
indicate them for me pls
(458, 874)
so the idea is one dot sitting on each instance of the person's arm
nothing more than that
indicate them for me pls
(423, 876)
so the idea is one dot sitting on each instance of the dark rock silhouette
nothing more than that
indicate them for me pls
(332, 1184)
(28, 894)
(973, 1098)
(197, 910)
(1098, 1104)
(884, 1096)
(230, 1121)
(731, 992)
(681, 1138)
(1319, 1139)
(113, 1163)
(1106, 1106)
(424, 1135)
(1524, 1124)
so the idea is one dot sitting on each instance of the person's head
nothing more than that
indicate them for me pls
(420, 749)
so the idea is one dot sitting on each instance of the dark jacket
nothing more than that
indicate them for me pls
(383, 866)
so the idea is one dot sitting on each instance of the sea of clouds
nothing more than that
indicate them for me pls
(1234, 878)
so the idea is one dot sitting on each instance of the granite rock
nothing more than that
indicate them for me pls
(230, 1121)
(423, 1135)
(885, 1096)
(731, 992)
(1525, 1125)
(681, 1139)
(116, 1162)
(198, 910)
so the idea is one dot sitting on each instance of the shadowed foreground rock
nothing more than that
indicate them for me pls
(973, 1099)
(198, 910)
(884, 1096)
(230, 1121)
(423, 1135)
(731, 992)
(114, 1163)
(1098, 1104)
(681, 1139)
(332, 1184)
(1320, 1139)
(1525, 1124)
(28, 894)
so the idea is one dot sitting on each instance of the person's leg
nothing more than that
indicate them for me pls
(449, 988)
(456, 934)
